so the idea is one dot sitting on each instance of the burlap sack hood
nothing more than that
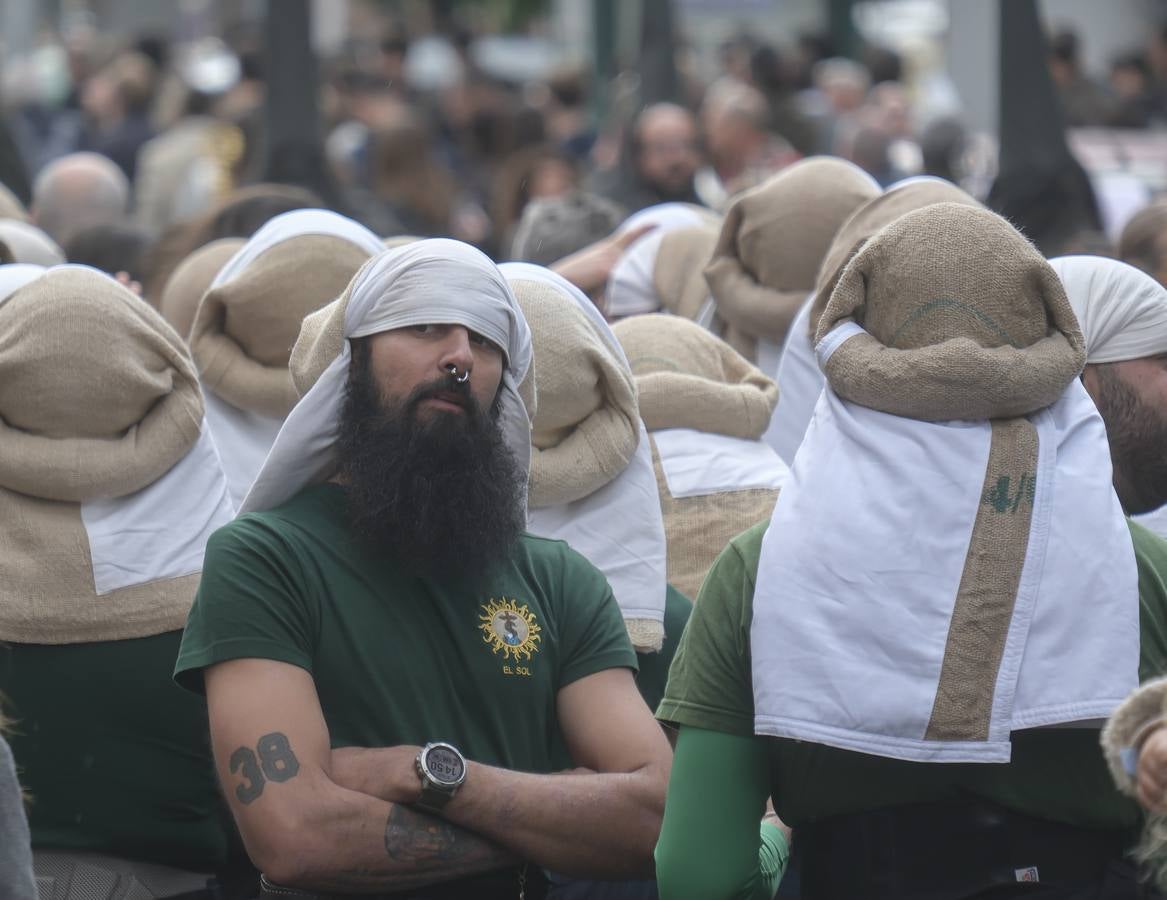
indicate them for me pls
(898, 200)
(244, 329)
(191, 279)
(98, 399)
(963, 317)
(586, 427)
(689, 378)
(772, 243)
(678, 275)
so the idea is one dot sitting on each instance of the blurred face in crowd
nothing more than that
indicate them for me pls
(1132, 398)
(667, 150)
(427, 473)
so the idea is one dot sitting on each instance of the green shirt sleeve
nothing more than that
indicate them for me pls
(710, 684)
(250, 604)
(711, 845)
(1151, 556)
(654, 667)
(593, 636)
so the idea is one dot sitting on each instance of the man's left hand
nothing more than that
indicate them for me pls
(389, 773)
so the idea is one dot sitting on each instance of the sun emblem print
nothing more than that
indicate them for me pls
(509, 628)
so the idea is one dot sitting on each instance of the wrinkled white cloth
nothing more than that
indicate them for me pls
(1122, 311)
(862, 562)
(14, 276)
(244, 438)
(699, 463)
(800, 381)
(630, 289)
(162, 530)
(619, 528)
(435, 282)
(29, 244)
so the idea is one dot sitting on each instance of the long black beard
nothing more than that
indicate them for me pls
(441, 495)
(1138, 444)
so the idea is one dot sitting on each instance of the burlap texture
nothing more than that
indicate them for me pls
(244, 329)
(98, 398)
(697, 529)
(964, 320)
(678, 275)
(772, 243)
(1144, 706)
(587, 425)
(870, 218)
(689, 378)
(191, 279)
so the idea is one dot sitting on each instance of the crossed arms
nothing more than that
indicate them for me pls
(339, 820)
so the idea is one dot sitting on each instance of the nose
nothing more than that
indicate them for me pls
(456, 350)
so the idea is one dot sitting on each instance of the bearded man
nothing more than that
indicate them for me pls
(398, 677)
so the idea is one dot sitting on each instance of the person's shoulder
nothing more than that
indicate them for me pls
(1148, 545)
(308, 513)
(536, 549)
(746, 548)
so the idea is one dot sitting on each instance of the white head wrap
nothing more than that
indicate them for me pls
(1122, 311)
(630, 288)
(436, 281)
(618, 528)
(29, 244)
(14, 276)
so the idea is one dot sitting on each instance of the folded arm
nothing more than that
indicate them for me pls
(599, 821)
(301, 828)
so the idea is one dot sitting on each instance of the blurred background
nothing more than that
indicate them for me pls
(447, 117)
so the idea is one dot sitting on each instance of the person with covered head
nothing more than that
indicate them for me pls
(398, 677)
(800, 380)
(912, 655)
(109, 489)
(705, 408)
(247, 322)
(772, 243)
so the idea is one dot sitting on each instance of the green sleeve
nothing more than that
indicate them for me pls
(711, 845)
(1151, 556)
(251, 603)
(710, 684)
(593, 636)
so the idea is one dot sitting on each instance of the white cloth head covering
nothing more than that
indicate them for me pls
(29, 244)
(244, 437)
(800, 381)
(14, 276)
(435, 281)
(618, 528)
(630, 288)
(861, 566)
(1122, 311)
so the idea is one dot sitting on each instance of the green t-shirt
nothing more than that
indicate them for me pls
(654, 667)
(404, 660)
(1055, 774)
(115, 757)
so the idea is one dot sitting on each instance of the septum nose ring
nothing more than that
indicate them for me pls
(453, 370)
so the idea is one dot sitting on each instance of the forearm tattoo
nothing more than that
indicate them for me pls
(271, 760)
(419, 838)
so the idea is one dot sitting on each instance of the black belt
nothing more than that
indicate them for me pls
(949, 850)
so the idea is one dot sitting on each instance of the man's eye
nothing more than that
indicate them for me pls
(423, 329)
(478, 339)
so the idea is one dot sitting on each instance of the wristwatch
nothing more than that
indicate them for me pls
(442, 769)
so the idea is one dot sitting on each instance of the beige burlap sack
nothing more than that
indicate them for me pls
(772, 243)
(191, 279)
(98, 399)
(964, 320)
(678, 275)
(870, 218)
(586, 427)
(688, 378)
(245, 328)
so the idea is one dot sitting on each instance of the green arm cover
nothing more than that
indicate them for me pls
(711, 845)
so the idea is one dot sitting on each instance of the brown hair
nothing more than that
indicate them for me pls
(1139, 243)
(406, 175)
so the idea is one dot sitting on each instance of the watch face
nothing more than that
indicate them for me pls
(444, 765)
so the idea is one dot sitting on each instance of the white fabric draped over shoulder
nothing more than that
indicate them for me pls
(618, 528)
(436, 281)
(14, 276)
(800, 382)
(630, 287)
(862, 563)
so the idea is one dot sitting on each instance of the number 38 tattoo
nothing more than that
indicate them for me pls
(271, 760)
